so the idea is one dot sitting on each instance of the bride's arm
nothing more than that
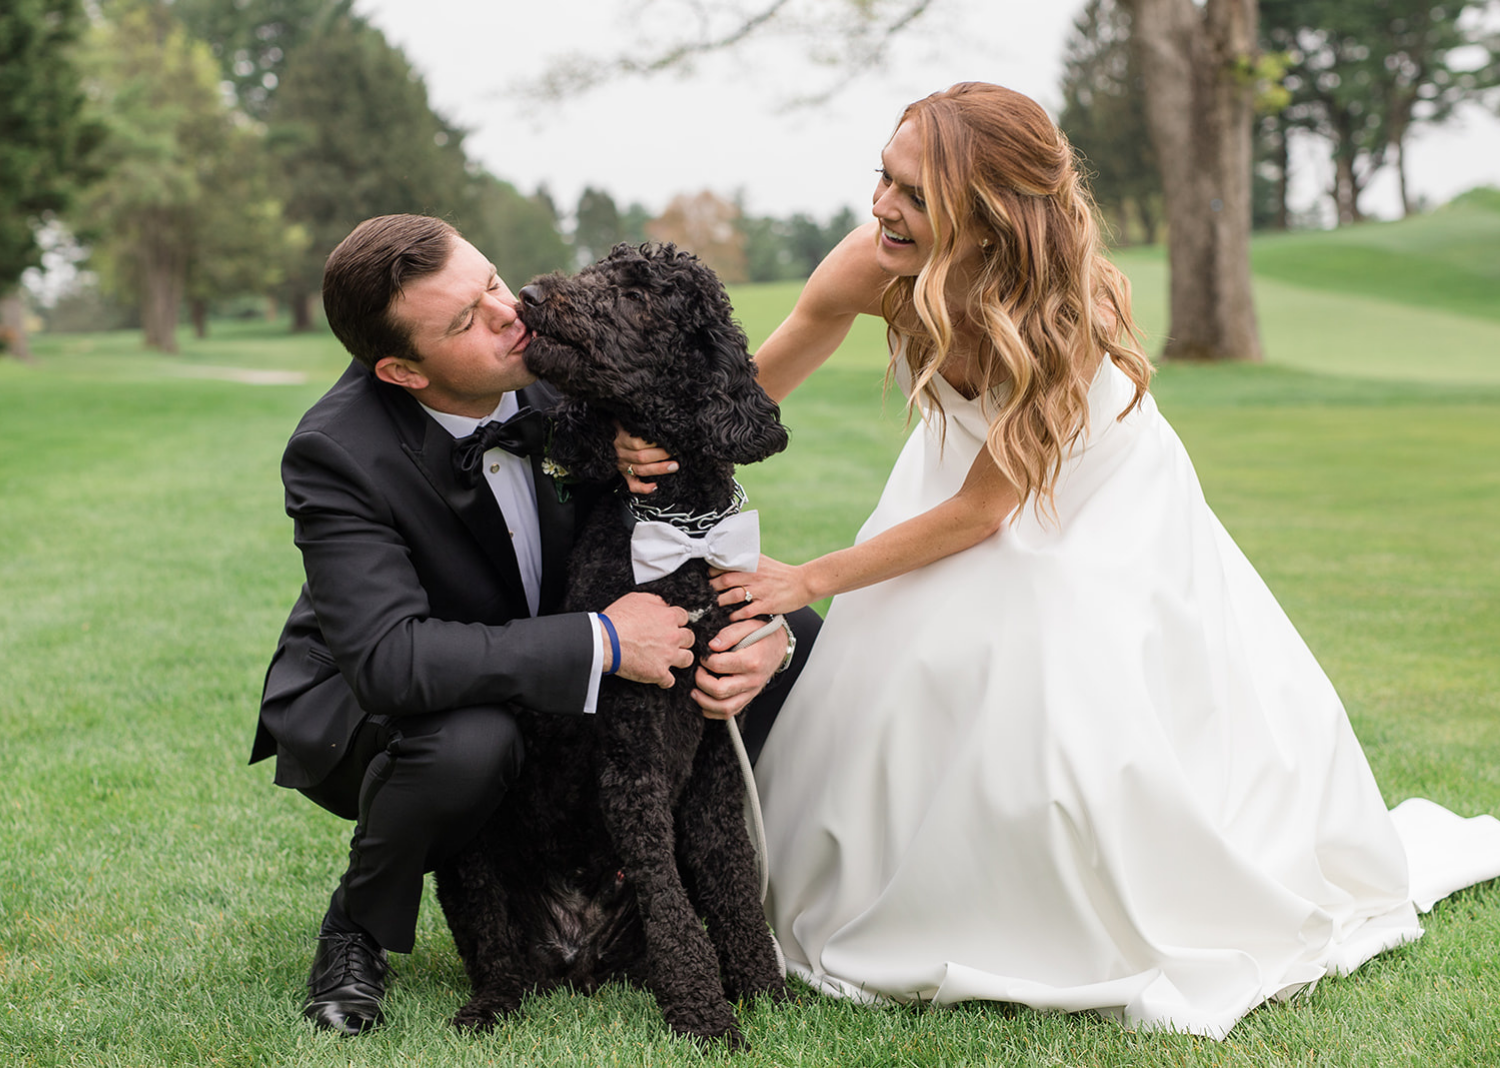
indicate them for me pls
(847, 283)
(974, 513)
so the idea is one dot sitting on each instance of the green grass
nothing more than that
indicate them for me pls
(158, 898)
(1447, 260)
(1415, 300)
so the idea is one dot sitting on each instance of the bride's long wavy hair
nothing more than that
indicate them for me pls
(1048, 304)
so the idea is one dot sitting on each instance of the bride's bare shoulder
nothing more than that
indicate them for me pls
(848, 281)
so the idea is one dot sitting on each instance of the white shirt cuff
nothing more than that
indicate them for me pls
(596, 672)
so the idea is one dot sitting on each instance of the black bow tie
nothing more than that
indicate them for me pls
(523, 434)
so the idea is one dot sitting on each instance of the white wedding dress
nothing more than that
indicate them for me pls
(1084, 765)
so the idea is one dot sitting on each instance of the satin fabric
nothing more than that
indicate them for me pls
(1086, 764)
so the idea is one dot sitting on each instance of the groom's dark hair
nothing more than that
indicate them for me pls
(366, 273)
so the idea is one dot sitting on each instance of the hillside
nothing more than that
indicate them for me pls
(1448, 259)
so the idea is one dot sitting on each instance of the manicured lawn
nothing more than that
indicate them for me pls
(158, 898)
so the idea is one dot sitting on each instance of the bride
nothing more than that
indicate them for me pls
(1057, 743)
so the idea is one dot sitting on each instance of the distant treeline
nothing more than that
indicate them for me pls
(193, 153)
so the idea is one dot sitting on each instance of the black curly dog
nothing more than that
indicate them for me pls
(626, 827)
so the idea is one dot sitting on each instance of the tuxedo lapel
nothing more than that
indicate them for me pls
(430, 447)
(555, 516)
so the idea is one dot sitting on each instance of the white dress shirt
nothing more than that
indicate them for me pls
(513, 486)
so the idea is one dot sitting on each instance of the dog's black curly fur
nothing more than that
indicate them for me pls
(626, 827)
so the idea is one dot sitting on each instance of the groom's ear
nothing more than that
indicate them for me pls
(400, 372)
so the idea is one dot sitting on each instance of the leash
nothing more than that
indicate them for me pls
(752, 796)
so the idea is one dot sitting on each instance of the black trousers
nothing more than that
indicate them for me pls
(419, 787)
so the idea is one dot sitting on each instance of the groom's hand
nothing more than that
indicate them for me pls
(727, 681)
(653, 638)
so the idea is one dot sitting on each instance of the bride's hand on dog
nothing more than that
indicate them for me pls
(639, 460)
(774, 587)
(728, 680)
(653, 638)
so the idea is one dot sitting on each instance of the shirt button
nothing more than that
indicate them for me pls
(494, 469)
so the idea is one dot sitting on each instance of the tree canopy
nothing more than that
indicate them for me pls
(353, 136)
(254, 39)
(46, 138)
(1361, 75)
(156, 91)
(1104, 116)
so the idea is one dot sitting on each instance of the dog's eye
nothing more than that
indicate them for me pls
(633, 295)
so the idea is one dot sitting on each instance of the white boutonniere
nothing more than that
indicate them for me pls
(554, 470)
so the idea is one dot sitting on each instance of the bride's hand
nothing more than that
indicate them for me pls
(774, 587)
(638, 460)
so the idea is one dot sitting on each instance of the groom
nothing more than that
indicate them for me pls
(435, 542)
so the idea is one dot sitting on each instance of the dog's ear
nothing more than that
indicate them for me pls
(739, 423)
(582, 441)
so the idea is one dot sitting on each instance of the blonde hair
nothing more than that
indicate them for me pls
(1049, 305)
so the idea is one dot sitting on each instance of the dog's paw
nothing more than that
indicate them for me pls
(710, 1022)
(776, 992)
(481, 1014)
(727, 1037)
(755, 982)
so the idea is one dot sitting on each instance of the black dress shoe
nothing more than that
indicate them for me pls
(346, 983)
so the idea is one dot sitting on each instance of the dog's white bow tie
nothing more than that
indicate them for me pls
(658, 549)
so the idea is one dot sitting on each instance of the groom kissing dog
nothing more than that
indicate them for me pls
(609, 849)
(431, 612)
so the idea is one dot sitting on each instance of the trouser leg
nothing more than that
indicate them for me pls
(761, 713)
(420, 786)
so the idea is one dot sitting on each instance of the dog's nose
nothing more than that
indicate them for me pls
(531, 295)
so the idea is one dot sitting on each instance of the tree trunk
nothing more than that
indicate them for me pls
(1283, 162)
(301, 304)
(1145, 211)
(1401, 176)
(198, 309)
(13, 326)
(1346, 191)
(163, 277)
(1199, 108)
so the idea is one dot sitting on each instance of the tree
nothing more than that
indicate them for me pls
(242, 242)
(254, 39)
(518, 233)
(1200, 65)
(1362, 75)
(768, 254)
(633, 220)
(597, 225)
(704, 224)
(1104, 116)
(46, 140)
(157, 92)
(354, 136)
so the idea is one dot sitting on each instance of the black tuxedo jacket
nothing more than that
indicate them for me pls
(413, 601)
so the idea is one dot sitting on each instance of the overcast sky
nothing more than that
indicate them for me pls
(725, 127)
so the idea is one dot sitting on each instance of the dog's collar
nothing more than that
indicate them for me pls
(697, 524)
